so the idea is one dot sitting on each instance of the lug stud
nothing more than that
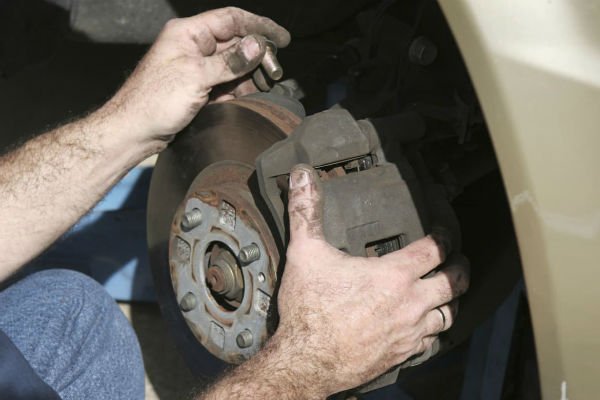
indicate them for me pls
(188, 302)
(191, 219)
(244, 339)
(249, 254)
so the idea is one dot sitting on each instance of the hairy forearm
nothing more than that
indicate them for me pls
(280, 370)
(51, 181)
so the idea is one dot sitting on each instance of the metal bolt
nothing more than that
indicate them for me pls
(244, 339)
(422, 51)
(188, 302)
(249, 254)
(365, 163)
(191, 219)
(270, 63)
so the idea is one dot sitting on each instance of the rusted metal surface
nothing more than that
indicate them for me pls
(283, 119)
(236, 132)
(232, 292)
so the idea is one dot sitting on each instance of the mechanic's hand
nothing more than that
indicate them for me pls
(353, 318)
(189, 58)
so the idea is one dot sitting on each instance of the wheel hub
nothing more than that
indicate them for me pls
(209, 260)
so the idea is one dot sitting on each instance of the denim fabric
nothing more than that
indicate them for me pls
(74, 336)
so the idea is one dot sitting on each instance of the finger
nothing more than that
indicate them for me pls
(440, 319)
(221, 46)
(427, 345)
(233, 62)
(245, 88)
(449, 283)
(226, 23)
(427, 348)
(443, 238)
(420, 257)
(232, 90)
(222, 98)
(305, 205)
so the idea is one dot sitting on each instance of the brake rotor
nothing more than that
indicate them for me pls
(212, 253)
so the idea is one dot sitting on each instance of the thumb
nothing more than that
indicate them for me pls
(305, 204)
(234, 62)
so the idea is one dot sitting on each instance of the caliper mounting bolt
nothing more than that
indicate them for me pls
(271, 64)
(249, 254)
(191, 219)
(422, 51)
(188, 302)
(244, 339)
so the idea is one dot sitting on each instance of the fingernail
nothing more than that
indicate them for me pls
(299, 178)
(250, 48)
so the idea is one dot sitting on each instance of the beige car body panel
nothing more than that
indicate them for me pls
(536, 68)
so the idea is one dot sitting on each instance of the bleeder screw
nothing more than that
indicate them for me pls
(249, 254)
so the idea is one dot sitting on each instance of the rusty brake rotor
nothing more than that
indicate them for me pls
(212, 253)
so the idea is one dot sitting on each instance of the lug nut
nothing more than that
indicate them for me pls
(191, 219)
(188, 302)
(271, 64)
(244, 339)
(249, 254)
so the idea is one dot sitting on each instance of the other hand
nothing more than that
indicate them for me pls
(190, 57)
(346, 319)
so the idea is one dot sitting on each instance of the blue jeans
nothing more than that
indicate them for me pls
(73, 335)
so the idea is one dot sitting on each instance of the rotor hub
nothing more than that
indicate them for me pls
(214, 259)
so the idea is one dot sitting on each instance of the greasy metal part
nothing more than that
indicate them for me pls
(237, 131)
